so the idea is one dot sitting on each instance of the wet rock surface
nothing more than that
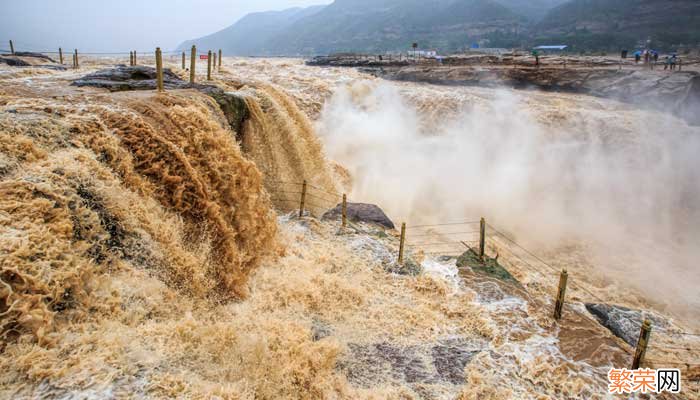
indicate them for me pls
(123, 78)
(624, 322)
(350, 60)
(676, 92)
(29, 59)
(233, 105)
(430, 364)
(361, 212)
(14, 61)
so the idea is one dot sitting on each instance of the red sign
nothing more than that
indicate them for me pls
(204, 57)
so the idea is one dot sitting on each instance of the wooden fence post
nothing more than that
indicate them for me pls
(159, 69)
(345, 211)
(482, 238)
(183, 60)
(60, 55)
(131, 58)
(220, 58)
(209, 65)
(135, 60)
(402, 242)
(12, 48)
(641, 350)
(213, 63)
(559, 305)
(303, 199)
(193, 62)
(77, 63)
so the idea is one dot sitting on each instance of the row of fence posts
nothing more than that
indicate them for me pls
(212, 60)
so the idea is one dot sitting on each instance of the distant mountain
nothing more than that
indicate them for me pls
(251, 33)
(369, 26)
(374, 26)
(609, 24)
(380, 25)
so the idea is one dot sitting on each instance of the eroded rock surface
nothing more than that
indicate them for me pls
(623, 322)
(430, 364)
(29, 59)
(361, 212)
(122, 78)
(676, 92)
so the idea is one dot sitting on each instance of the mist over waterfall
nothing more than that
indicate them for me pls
(553, 169)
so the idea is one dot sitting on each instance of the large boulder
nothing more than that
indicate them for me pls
(122, 78)
(624, 322)
(29, 59)
(361, 212)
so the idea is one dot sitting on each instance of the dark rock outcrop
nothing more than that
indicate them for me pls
(358, 61)
(676, 92)
(429, 364)
(122, 78)
(233, 105)
(29, 59)
(361, 212)
(14, 61)
(623, 322)
(450, 358)
(34, 55)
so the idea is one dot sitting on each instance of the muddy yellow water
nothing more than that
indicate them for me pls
(145, 252)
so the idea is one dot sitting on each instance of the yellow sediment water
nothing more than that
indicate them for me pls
(140, 257)
(85, 185)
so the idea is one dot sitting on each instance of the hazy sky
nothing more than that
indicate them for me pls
(121, 25)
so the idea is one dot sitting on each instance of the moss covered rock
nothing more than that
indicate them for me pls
(489, 266)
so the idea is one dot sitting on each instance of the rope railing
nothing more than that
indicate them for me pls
(438, 233)
(534, 263)
(444, 224)
(575, 284)
(307, 197)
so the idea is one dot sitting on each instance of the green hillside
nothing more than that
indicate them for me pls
(611, 25)
(374, 26)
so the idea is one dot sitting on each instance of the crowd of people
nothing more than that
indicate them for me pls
(651, 57)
